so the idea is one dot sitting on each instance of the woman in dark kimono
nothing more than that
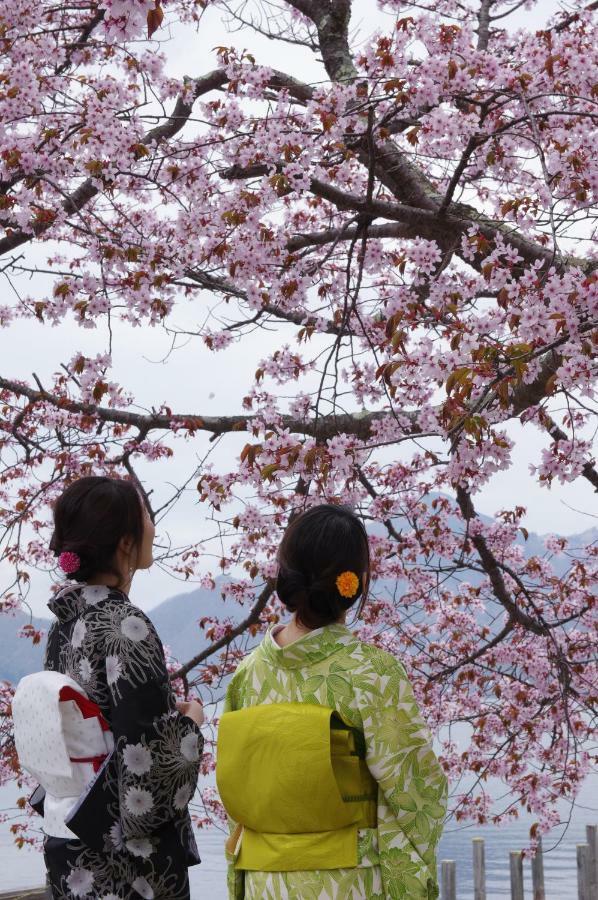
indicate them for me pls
(139, 839)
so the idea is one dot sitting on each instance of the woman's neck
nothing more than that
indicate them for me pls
(111, 581)
(290, 633)
(293, 631)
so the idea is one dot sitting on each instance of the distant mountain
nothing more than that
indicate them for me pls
(177, 619)
(534, 546)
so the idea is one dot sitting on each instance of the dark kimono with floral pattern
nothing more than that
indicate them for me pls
(140, 840)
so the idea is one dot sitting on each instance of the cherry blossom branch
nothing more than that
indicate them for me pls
(407, 182)
(388, 523)
(197, 87)
(458, 222)
(569, 20)
(358, 424)
(492, 568)
(223, 285)
(252, 619)
(89, 189)
(468, 660)
(84, 36)
(589, 471)
(433, 220)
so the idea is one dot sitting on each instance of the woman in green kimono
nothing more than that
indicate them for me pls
(312, 694)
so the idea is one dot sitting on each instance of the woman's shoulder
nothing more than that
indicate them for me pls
(377, 658)
(376, 671)
(103, 602)
(109, 614)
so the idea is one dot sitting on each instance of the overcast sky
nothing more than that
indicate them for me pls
(193, 380)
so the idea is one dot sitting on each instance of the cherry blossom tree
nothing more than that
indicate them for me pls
(415, 227)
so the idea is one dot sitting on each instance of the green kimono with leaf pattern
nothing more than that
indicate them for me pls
(370, 689)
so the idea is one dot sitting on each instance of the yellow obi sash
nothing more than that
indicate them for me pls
(293, 776)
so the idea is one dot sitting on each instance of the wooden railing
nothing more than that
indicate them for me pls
(587, 872)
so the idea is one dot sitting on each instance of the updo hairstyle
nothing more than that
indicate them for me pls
(318, 546)
(91, 517)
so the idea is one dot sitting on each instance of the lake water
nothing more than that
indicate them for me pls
(24, 868)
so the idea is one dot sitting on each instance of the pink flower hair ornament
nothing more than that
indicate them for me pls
(69, 562)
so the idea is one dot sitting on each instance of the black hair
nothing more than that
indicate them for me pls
(91, 517)
(319, 545)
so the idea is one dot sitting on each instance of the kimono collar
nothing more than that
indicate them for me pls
(311, 648)
(72, 599)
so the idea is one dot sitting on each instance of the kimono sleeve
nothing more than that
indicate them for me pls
(157, 749)
(412, 784)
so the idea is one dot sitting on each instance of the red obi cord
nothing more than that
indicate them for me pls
(96, 761)
(89, 710)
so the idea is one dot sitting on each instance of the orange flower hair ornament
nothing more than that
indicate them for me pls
(347, 584)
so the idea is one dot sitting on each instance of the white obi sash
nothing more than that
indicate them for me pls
(62, 739)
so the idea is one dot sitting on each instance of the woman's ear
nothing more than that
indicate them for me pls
(125, 545)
